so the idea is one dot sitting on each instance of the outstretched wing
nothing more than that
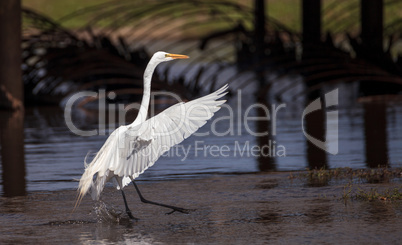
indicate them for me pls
(143, 144)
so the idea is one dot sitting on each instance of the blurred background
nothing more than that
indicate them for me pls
(272, 52)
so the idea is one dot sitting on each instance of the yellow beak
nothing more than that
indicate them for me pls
(177, 56)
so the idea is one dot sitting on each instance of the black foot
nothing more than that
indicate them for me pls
(181, 210)
(130, 215)
(174, 209)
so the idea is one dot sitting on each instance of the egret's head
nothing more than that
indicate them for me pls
(163, 56)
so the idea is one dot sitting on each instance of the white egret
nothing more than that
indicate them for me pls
(133, 148)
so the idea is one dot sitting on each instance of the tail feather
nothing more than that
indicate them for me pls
(86, 182)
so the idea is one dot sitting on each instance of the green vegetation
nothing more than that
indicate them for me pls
(358, 181)
(338, 16)
(288, 12)
(373, 194)
(57, 9)
(321, 177)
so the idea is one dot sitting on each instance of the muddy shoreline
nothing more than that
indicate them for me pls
(248, 208)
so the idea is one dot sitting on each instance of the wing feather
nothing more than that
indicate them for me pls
(131, 149)
(146, 142)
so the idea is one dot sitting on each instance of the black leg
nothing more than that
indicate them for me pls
(182, 210)
(128, 211)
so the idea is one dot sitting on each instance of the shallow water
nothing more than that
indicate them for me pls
(236, 201)
(250, 208)
(54, 156)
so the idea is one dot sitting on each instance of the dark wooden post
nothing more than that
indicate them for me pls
(375, 130)
(315, 121)
(315, 127)
(259, 38)
(11, 87)
(12, 152)
(311, 14)
(259, 25)
(266, 160)
(372, 24)
(11, 99)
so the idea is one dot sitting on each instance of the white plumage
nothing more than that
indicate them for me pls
(132, 149)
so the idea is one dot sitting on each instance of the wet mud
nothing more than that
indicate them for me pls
(232, 209)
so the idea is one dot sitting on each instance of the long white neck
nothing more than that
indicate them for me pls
(142, 114)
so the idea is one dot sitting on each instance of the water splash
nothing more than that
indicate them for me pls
(107, 214)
